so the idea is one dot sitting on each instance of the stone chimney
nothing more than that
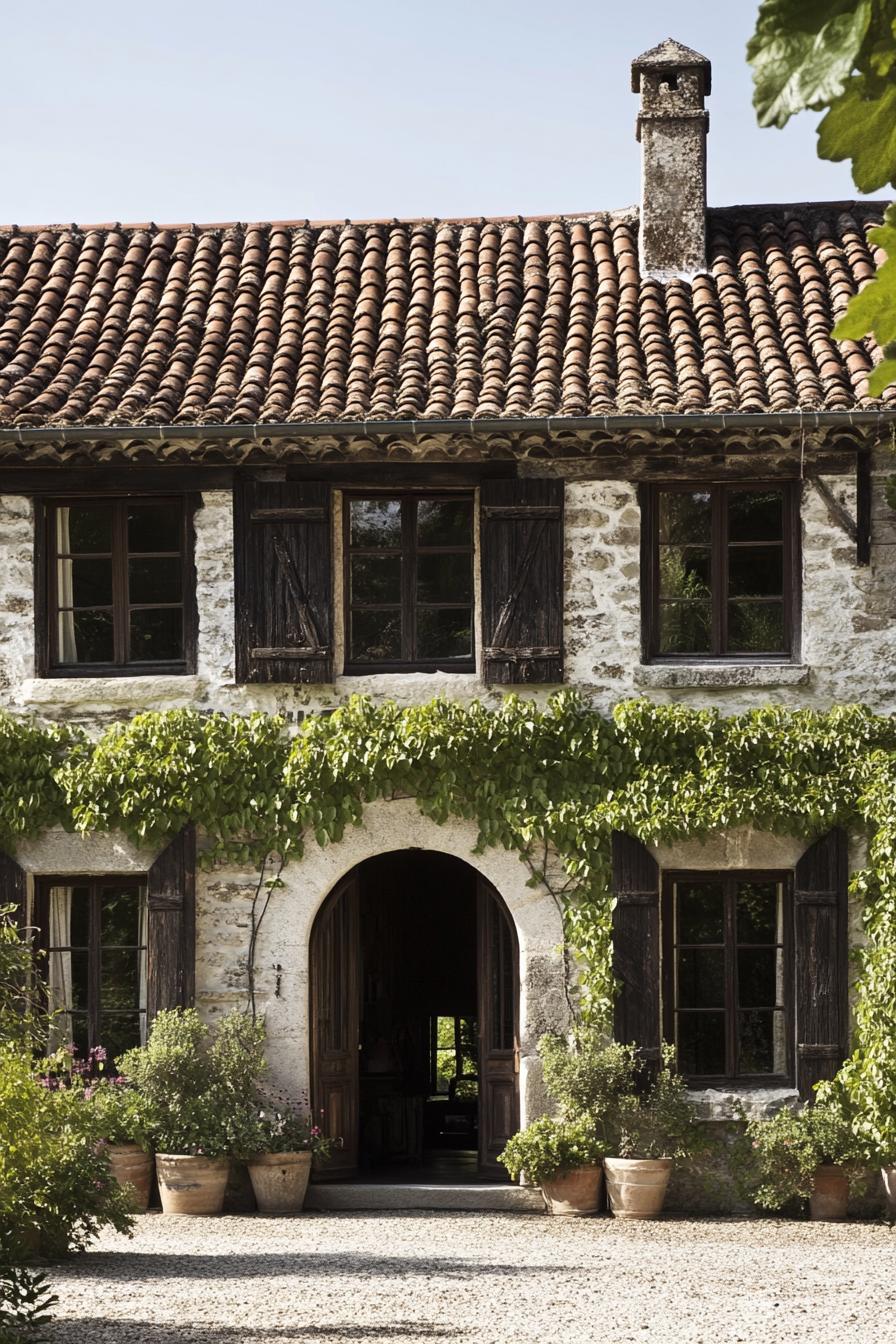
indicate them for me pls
(673, 81)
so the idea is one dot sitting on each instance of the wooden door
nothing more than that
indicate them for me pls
(335, 1024)
(498, 989)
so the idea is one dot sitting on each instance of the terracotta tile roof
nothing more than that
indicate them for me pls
(272, 323)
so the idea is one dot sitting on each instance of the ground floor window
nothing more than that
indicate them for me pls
(726, 981)
(94, 930)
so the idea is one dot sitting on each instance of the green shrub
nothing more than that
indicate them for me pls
(775, 1161)
(119, 1111)
(279, 1125)
(655, 1117)
(587, 1077)
(199, 1086)
(25, 1302)
(549, 1148)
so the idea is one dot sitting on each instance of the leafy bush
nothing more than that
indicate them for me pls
(549, 1148)
(25, 1302)
(282, 1126)
(120, 1111)
(656, 1118)
(776, 1159)
(198, 1085)
(587, 1077)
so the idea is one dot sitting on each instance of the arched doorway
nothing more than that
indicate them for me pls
(414, 1016)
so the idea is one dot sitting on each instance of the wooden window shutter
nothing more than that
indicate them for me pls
(820, 946)
(522, 580)
(13, 889)
(636, 946)
(283, 580)
(171, 926)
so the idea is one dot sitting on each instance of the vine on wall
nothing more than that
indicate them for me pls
(550, 782)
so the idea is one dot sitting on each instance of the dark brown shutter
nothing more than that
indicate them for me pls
(283, 581)
(13, 889)
(522, 580)
(636, 946)
(171, 926)
(820, 946)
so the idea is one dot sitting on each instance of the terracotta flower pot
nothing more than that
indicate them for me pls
(637, 1186)
(280, 1181)
(889, 1178)
(192, 1184)
(574, 1194)
(132, 1168)
(830, 1193)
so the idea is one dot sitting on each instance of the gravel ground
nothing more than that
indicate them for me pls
(476, 1278)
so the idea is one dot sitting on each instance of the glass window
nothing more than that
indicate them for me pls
(726, 991)
(722, 560)
(116, 584)
(409, 582)
(454, 1054)
(95, 932)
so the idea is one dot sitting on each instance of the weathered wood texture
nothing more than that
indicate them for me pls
(498, 981)
(522, 580)
(636, 946)
(820, 946)
(283, 576)
(335, 994)
(171, 926)
(13, 889)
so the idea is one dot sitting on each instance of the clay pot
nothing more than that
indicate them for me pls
(574, 1194)
(830, 1193)
(132, 1168)
(637, 1186)
(280, 1181)
(192, 1184)
(889, 1178)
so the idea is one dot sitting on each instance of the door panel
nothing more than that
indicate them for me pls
(498, 975)
(335, 1024)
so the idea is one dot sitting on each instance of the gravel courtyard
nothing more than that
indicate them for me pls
(479, 1277)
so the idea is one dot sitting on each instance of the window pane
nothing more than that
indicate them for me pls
(701, 1043)
(759, 912)
(761, 1045)
(757, 977)
(375, 522)
(685, 517)
(701, 978)
(755, 515)
(375, 636)
(119, 979)
(155, 580)
(685, 572)
(443, 633)
(156, 636)
(84, 583)
(155, 527)
(699, 909)
(685, 627)
(119, 1032)
(446, 522)
(80, 916)
(444, 578)
(86, 637)
(375, 578)
(79, 1033)
(120, 916)
(82, 528)
(756, 627)
(78, 964)
(756, 571)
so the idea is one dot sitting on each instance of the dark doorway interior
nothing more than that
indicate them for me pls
(419, 1086)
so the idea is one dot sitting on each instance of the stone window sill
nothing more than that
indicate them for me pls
(721, 676)
(716, 1103)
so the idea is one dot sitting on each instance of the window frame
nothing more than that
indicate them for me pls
(95, 882)
(718, 546)
(729, 877)
(47, 663)
(408, 605)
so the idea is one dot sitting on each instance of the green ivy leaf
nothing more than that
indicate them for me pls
(802, 53)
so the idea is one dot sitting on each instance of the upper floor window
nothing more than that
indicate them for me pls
(96, 961)
(719, 571)
(116, 589)
(409, 582)
(726, 986)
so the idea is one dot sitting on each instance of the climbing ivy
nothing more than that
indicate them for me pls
(550, 782)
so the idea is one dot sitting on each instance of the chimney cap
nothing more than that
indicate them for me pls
(671, 55)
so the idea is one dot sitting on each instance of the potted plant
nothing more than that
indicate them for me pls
(199, 1088)
(119, 1112)
(563, 1157)
(279, 1146)
(806, 1153)
(656, 1124)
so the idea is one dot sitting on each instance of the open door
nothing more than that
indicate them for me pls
(499, 1055)
(335, 1024)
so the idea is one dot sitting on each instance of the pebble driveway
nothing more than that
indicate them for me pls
(471, 1277)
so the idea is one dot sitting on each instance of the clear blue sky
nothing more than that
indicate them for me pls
(215, 110)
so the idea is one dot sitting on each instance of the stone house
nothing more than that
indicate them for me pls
(266, 466)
